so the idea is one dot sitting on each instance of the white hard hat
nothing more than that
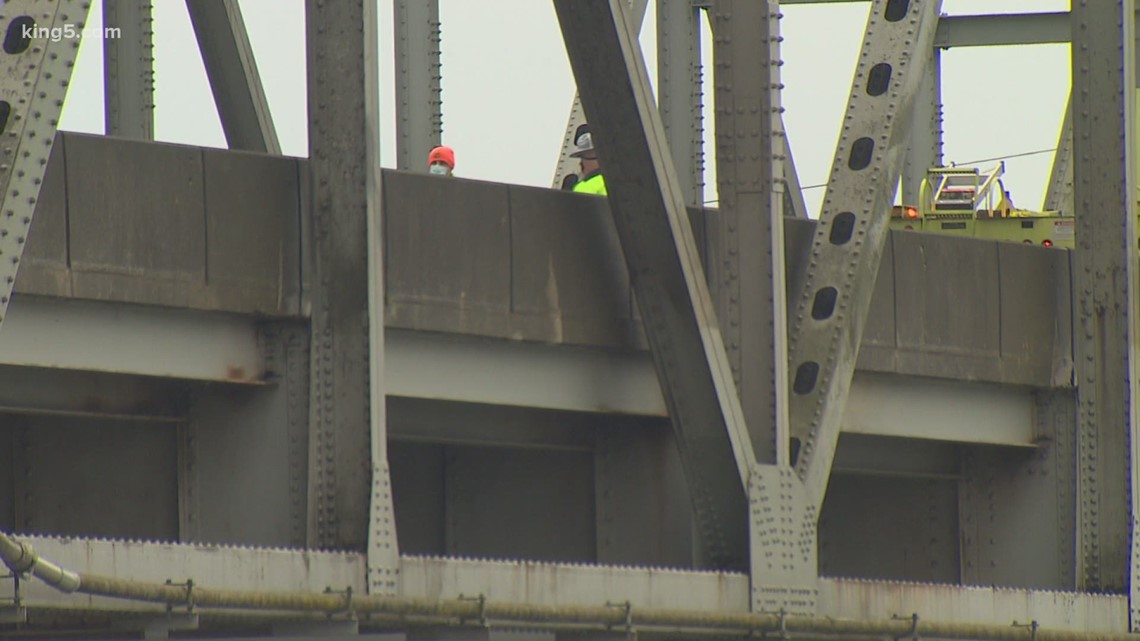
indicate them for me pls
(583, 146)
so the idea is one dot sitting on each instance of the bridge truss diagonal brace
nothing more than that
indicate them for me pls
(1059, 191)
(665, 270)
(33, 84)
(567, 165)
(233, 76)
(832, 308)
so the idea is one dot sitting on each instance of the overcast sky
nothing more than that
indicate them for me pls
(507, 87)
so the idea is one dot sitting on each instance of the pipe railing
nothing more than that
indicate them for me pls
(20, 557)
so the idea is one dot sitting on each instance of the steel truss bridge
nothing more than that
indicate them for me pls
(433, 408)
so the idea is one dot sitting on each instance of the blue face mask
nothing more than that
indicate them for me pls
(438, 170)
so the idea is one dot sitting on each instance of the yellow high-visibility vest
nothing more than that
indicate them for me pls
(595, 184)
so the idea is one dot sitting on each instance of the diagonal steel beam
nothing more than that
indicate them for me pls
(37, 65)
(665, 270)
(567, 165)
(232, 71)
(844, 262)
(794, 203)
(1059, 191)
(128, 69)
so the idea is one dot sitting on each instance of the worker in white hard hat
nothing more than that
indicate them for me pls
(592, 181)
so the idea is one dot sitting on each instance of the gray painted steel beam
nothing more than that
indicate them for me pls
(746, 238)
(925, 131)
(849, 239)
(679, 92)
(36, 391)
(232, 72)
(1003, 29)
(382, 551)
(794, 204)
(665, 270)
(1105, 295)
(419, 102)
(128, 69)
(567, 165)
(131, 339)
(423, 365)
(350, 503)
(990, 30)
(33, 90)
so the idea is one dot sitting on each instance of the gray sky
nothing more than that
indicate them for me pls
(507, 87)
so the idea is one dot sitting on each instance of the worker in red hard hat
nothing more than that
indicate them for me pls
(441, 161)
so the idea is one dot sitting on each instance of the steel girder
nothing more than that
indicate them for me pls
(419, 101)
(350, 497)
(567, 165)
(657, 242)
(844, 261)
(128, 69)
(232, 71)
(1105, 293)
(41, 41)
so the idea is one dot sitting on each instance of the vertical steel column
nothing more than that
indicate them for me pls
(926, 130)
(852, 230)
(232, 71)
(1059, 191)
(350, 502)
(38, 71)
(382, 552)
(665, 270)
(128, 69)
(1104, 285)
(746, 241)
(679, 91)
(567, 165)
(419, 101)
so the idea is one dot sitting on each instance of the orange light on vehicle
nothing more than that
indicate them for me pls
(911, 212)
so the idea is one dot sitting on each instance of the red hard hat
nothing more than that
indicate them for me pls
(445, 155)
